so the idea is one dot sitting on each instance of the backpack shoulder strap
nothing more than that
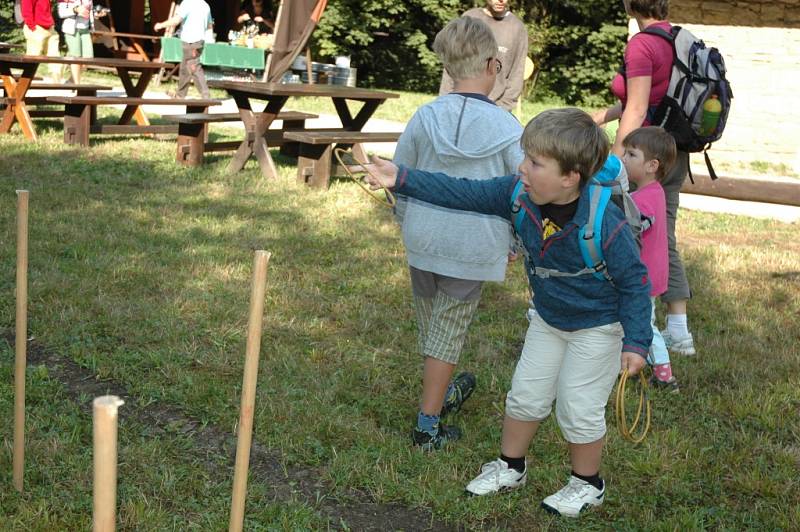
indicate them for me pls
(664, 34)
(590, 235)
(517, 213)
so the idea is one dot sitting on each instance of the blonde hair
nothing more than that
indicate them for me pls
(655, 143)
(569, 136)
(464, 46)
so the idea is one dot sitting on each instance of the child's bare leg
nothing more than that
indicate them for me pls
(517, 436)
(435, 379)
(677, 307)
(586, 457)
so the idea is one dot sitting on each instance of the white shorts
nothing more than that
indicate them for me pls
(577, 369)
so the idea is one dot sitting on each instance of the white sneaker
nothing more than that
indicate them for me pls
(681, 346)
(496, 476)
(574, 498)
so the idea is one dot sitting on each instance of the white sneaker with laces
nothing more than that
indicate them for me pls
(574, 498)
(496, 476)
(682, 346)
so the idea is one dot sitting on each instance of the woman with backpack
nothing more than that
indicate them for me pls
(647, 66)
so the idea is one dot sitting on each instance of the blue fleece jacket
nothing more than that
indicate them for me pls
(566, 303)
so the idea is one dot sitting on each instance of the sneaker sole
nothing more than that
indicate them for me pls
(549, 509)
(501, 490)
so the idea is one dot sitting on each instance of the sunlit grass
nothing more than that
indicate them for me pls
(140, 272)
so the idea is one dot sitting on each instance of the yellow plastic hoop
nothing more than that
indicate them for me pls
(390, 200)
(644, 407)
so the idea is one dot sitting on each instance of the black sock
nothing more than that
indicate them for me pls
(594, 480)
(517, 464)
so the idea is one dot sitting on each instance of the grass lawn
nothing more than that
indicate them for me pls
(140, 272)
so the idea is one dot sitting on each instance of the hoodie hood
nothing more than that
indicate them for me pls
(456, 124)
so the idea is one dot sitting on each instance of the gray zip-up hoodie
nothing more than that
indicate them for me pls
(468, 136)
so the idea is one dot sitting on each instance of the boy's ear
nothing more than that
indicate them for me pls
(651, 166)
(572, 179)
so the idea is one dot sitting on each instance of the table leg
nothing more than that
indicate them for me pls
(134, 91)
(256, 127)
(357, 123)
(18, 111)
(89, 92)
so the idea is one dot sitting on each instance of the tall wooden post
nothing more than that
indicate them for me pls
(105, 463)
(20, 340)
(245, 431)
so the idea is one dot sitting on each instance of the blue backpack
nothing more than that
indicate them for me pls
(609, 184)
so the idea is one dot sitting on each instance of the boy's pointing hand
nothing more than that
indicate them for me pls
(382, 173)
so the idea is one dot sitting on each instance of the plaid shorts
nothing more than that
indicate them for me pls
(444, 307)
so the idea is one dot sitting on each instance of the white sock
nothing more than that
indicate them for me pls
(677, 326)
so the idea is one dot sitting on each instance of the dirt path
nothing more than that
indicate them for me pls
(355, 511)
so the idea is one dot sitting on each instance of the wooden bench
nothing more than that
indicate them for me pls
(78, 111)
(316, 147)
(192, 127)
(80, 90)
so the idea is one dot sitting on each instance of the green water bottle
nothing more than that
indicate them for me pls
(711, 112)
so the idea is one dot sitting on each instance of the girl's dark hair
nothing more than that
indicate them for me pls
(655, 143)
(657, 9)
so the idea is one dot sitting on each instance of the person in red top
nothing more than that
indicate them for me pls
(648, 63)
(41, 38)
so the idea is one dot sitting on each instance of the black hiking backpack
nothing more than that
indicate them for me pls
(698, 73)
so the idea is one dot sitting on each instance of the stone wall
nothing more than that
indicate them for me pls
(764, 71)
(758, 13)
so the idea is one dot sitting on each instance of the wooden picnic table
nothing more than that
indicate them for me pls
(6, 47)
(276, 95)
(132, 38)
(17, 87)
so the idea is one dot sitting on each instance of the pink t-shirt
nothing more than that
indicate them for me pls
(652, 203)
(646, 55)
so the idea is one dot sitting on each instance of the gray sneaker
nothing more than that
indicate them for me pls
(682, 346)
(496, 476)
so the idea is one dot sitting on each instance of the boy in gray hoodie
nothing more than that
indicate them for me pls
(451, 253)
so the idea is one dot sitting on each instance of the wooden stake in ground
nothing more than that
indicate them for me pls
(20, 339)
(105, 462)
(245, 432)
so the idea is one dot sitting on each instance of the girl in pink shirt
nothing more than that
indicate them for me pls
(649, 153)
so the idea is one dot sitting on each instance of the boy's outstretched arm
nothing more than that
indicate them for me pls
(486, 196)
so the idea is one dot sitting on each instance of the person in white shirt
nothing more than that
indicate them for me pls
(194, 18)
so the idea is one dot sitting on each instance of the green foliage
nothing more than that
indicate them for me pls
(575, 45)
(580, 68)
(389, 41)
(9, 30)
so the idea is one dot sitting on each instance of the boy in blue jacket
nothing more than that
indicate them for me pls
(584, 330)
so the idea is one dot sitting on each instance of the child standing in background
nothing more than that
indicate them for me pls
(649, 154)
(452, 253)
